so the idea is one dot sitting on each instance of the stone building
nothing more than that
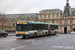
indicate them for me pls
(50, 16)
(65, 20)
(8, 21)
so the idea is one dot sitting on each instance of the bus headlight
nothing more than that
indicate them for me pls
(27, 33)
(16, 32)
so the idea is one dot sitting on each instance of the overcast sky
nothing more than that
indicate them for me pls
(31, 6)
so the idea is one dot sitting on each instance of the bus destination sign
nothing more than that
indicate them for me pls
(22, 22)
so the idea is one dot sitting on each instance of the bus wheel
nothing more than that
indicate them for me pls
(35, 35)
(27, 37)
(46, 34)
(23, 36)
(55, 33)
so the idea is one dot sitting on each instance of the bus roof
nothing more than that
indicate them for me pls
(32, 22)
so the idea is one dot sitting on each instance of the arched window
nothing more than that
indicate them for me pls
(57, 15)
(40, 16)
(45, 16)
(53, 15)
(48, 15)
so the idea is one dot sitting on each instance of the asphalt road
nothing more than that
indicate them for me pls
(55, 42)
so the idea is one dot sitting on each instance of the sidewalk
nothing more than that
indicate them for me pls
(11, 34)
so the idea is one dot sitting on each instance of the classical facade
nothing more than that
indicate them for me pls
(7, 21)
(65, 19)
(50, 16)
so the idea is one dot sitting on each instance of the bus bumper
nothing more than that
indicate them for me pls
(21, 35)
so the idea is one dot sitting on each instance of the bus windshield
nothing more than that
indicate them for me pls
(22, 28)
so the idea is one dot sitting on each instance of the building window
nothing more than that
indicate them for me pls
(48, 15)
(45, 16)
(52, 21)
(53, 15)
(57, 15)
(65, 21)
(41, 16)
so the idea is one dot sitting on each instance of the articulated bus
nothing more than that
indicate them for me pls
(28, 29)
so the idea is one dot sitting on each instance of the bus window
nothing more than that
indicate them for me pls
(53, 27)
(22, 28)
(46, 27)
(31, 27)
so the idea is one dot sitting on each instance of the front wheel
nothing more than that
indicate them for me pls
(23, 36)
(35, 35)
(5, 35)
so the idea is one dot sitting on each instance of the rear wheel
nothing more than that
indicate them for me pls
(46, 34)
(55, 33)
(35, 35)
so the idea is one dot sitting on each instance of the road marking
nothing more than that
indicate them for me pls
(57, 46)
(17, 47)
(31, 41)
(37, 42)
(68, 47)
(64, 47)
(11, 39)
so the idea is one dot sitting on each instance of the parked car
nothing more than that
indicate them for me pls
(3, 33)
(73, 33)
